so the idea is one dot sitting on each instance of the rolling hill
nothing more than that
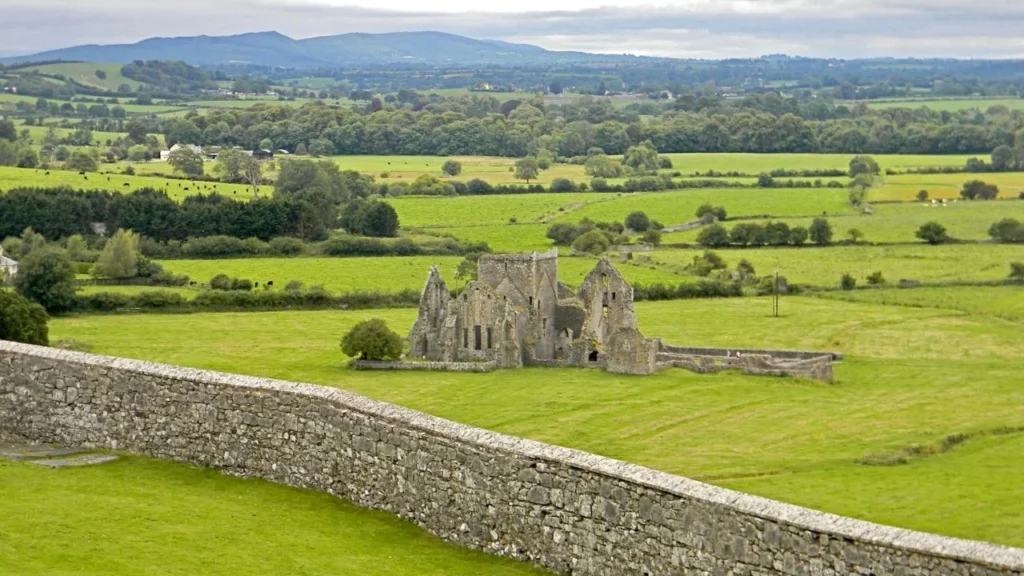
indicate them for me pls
(275, 49)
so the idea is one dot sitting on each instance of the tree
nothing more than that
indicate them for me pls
(854, 235)
(47, 277)
(865, 165)
(77, 248)
(798, 235)
(708, 213)
(713, 236)
(820, 232)
(28, 158)
(452, 167)
(555, 87)
(381, 220)
(933, 233)
(1007, 230)
(978, 190)
(372, 340)
(847, 282)
(468, 268)
(321, 147)
(527, 169)
(1017, 271)
(1002, 159)
(876, 278)
(638, 222)
(82, 160)
(138, 153)
(859, 186)
(102, 75)
(300, 150)
(652, 237)
(136, 131)
(22, 320)
(187, 161)
(237, 166)
(922, 195)
(593, 242)
(120, 257)
(642, 157)
(602, 166)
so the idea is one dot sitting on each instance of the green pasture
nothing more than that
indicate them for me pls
(377, 274)
(38, 134)
(899, 222)
(824, 266)
(950, 105)
(85, 73)
(758, 163)
(999, 301)
(495, 170)
(905, 187)
(139, 516)
(503, 237)
(429, 212)
(11, 177)
(911, 376)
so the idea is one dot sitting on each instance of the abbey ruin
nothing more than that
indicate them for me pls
(517, 313)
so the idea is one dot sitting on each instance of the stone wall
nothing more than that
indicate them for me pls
(566, 510)
(478, 367)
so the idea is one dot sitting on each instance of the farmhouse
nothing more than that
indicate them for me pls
(8, 266)
(517, 313)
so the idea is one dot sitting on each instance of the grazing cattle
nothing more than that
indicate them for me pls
(192, 283)
(47, 172)
(126, 184)
(186, 188)
(81, 173)
(270, 284)
(85, 177)
(108, 178)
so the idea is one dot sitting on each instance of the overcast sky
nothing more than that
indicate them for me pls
(680, 28)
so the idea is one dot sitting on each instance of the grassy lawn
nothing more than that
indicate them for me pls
(383, 274)
(11, 177)
(824, 266)
(899, 222)
(906, 186)
(146, 517)
(85, 73)
(950, 105)
(458, 211)
(757, 163)
(1000, 301)
(912, 376)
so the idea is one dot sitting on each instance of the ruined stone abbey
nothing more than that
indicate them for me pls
(517, 313)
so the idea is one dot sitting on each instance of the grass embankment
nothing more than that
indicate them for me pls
(145, 517)
(912, 376)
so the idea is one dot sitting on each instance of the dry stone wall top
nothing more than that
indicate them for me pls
(565, 510)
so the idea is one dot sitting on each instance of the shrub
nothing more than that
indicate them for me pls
(293, 286)
(593, 242)
(22, 320)
(638, 222)
(478, 187)
(562, 233)
(220, 282)
(286, 246)
(745, 268)
(1007, 230)
(798, 235)
(876, 279)
(707, 212)
(372, 340)
(562, 185)
(452, 167)
(47, 276)
(706, 263)
(933, 233)
(820, 232)
(922, 195)
(978, 190)
(120, 257)
(241, 284)
(714, 236)
(652, 237)
(1017, 271)
(847, 282)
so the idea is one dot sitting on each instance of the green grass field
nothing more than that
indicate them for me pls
(384, 274)
(758, 163)
(140, 516)
(906, 186)
(950, 105)
(11, 177)
(999, 301)
(899, 222)
(824, 266)
(85, 73)
(911, 376)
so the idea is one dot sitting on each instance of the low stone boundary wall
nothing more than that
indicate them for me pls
(480, 367)
(565, 510)
(776, 354)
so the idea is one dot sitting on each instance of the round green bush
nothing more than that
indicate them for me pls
(372, 340)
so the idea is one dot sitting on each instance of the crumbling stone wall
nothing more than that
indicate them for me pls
(565, 510)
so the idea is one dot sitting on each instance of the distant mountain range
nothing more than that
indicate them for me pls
(275, 49)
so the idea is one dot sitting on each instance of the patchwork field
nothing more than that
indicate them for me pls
(824, 266)
(28, 178)
(904, 187)
(899, 222)
(85, 73)
(950, 105)
(141, 516)
(912, 376)
(384, 274)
